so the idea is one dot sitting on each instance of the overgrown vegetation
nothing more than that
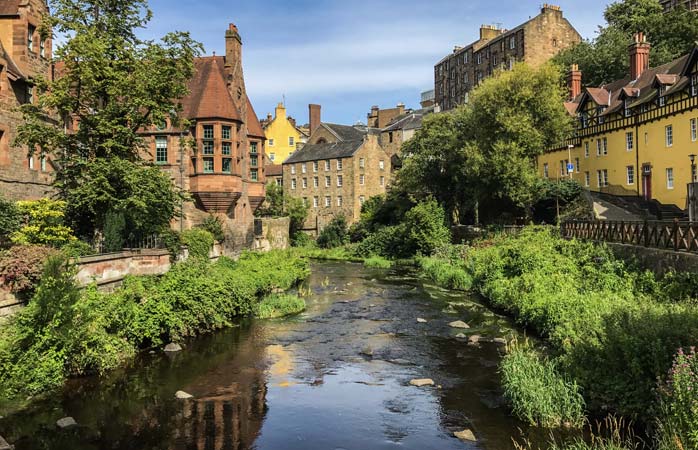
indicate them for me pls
(377, 262)
(277, 204)
(199, 242)
(679, 396)
(21, 268)
(279, 305)
(213, 225)
(10, 219)
(335, 234)
(67, 332)
(42, 224)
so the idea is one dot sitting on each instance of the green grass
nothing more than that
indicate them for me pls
(538, 393)
(377, 262)
(279, 305)
(331, 254)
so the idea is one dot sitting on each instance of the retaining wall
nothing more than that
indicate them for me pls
(656, 260)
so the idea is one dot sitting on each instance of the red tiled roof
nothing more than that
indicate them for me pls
(665, 78)
(600, 96)
(9, 7)
(274, 170)
(209, 96)
(254, 128)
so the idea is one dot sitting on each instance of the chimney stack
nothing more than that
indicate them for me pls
(574, 81)
(639, 55)
(315, 113)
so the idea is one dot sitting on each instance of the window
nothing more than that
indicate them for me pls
(305, 183)
(512, 43)
(494, 59)
(42, 48)
(254, 175)
(629, 142)
(339, 164)
(340, 201)
(208, 165)
(327, 166)
(630, 175)
(316, 182)
(512, 61)
(362, 179)
(670, 178)
(31, 162)
(694, 85)
(554, 42)
(587, 179)
(479, 58)
(605, 146)
(42, 161)
(272, 157)
(340, 181)
(694, 130)
(382, 181)
(562, 168)
(362, 200)
(291, 141)
(226, 132)
(604, 174)
(328, 181)
(576, 165)
(279, 182)
(362, 162)
(271, 142)
(328, 201)
(30, 94)
(546, 171)
(381, 164)
(208, 131)
(293, 169)
(466, 58)
(316, 202)
(669, 135)
(31, 29)
(626, 106)
(304, 168)
(294, 183)
(662, 98)
(305, 201)
(586, 149)
(254, 161)
(227, 165)
(254, 148)
(208, 147)
(161, 149)
(602, 178)
(598, 147)
(316, 166)
(227, 148)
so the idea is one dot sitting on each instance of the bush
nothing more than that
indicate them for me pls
(301, 239)
(43, 224)
(388, 242)
(679, 395)
(275, 306)
(22, 266)
(213, 225)
(77, 249)
(426, 228)
(335, 234)
(446, 273)
(114, 232)
(172, 241)
(539, 394)
(200, 242)
(378, 262)
(10, 219)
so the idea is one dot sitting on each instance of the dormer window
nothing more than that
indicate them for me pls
(694, 85)
(662, 98)
(626, 106)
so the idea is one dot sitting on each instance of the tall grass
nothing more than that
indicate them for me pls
(279, 305)
(377, 262)
(445, 273)
(611, 434)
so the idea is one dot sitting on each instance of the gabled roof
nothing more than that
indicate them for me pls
(410, 121)
(9, 7)
(273, 170)
(254, 128)
(344, 132)
(209, 96)
(327, 150)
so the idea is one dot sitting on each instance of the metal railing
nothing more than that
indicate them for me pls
(676, 235)
(151, 242)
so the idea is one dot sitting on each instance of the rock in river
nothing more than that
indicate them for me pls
(4, 445)
(181, 395)
(474, 339)
(465, 435)
(173, 348)
(459, 324)
(420, 320)
(422, 382)
(66, 422)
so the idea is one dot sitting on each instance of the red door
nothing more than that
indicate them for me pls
(647, 182)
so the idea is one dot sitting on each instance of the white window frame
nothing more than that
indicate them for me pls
(629, 142)
(605, 146)
(586, 149)
(630, 175)
(576, 165)
(340, 181)
(694, 130)
(270, 142)
(598, 148)
(340, 164)
(304, 168)
(382, 181)
(328, 181)
(42, 163)
(327, 166)
(362, 179)
(670, 178)
(546, 170)
(31, 162)
(294, 184)
(316, 202)
(316, 166)
(316, 182)
(362, 163)
(293, 169)
(669, 136)
(305, 183)
(587, 179)
(328, 201)
(694, 85)
(158, 147)
(512, 43)
(340, 201)
(291, 141)
(381, 164)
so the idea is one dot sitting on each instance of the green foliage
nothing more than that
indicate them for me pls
(389, 242)
(22, 266)
(273, 203)
(114, 230)
(378, 262)
(679, 395)
(275, 306)
(199, 241)
(426, 229)
(43, 224)
(447, 273)
(172, 241)
(335, 234)
(301, 239)
(605, 58)
(213, 225)
(539, 394)
(277, 204)
(77, 249)
(10, 219)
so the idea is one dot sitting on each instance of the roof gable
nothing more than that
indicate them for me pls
(324, 151)
(209, 96)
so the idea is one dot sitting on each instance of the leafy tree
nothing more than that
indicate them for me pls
(10, 218)
(43, 224)
(274, 202)
(335, 234)
(278, 204)
(213, 225)
(111, 85)
(426, 228)
(605, 58)
(114, 229)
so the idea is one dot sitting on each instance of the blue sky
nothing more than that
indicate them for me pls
(347, 55)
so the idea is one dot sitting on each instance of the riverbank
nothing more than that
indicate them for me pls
(67, 332)
(611, 329)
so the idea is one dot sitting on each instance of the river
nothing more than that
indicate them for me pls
(335, 377)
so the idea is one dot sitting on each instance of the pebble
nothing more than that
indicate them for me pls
(461, 336)
(420, 320)
(465, 435)
(66, 422)
(181, 395)
(173, 348)
(368, 351)
(4, 445)
(421, 382)
(459, 324)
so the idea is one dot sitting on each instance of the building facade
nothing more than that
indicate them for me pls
(669, 4)
(336, 172)
(219, 160)
(534, 42)
(634, 137)
(24, 55)
(283, 135)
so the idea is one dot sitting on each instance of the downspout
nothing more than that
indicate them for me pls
(640, 174)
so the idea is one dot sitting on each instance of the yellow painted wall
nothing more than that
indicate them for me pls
(278, 133)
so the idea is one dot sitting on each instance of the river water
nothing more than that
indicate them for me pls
(335, 377)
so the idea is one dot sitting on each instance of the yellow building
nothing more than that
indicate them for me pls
(284, 138)
(634, 137)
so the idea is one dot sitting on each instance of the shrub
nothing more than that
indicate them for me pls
(301, 239)
(213, 225)
(77, 249)
(199, 242)
(114, 231)
(21, 267)
(446, 273)
(172, 241)
(387, 242)
(335, 234)
(275, 306)
(679, 395)
(10, 219)
(426, 228)
(378, 262)
(43, 224)
(539, 394)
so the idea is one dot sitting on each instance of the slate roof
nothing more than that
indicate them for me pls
(9, 7)
(344, 132)
(328, 150)
(209, 96)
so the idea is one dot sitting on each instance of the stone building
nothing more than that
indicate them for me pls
(223, 166)
(669, 4)
(24, 55)
(533, 42)
(337, 171)
(380, 118)
(400, 130)
(284, 137)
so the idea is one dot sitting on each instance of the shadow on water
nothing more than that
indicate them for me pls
(334, 377)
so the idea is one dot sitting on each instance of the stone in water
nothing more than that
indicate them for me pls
(420, 320)
(465, 435)
(422, 382)
(173, 348)
(181, 395)
(66, 422)
(459, 324)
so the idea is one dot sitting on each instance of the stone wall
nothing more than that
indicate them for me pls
(274, 234)
(110, 270)
(656, 260)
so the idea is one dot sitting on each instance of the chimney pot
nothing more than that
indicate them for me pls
(574, 81)
(639, 55)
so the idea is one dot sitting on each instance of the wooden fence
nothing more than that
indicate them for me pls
(676, 235)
